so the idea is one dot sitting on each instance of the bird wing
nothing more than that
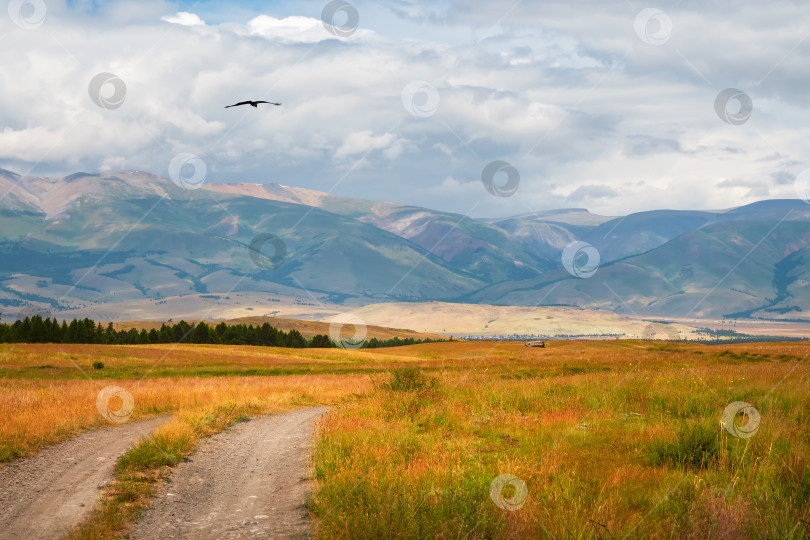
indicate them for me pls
(238, 104)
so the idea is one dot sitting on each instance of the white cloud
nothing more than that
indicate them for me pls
(292, 29)
(184, 18)
(363, 142)
(296, 29)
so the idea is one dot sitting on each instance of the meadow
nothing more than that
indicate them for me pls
(600, 439)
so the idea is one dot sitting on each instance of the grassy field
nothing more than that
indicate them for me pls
(602, 439)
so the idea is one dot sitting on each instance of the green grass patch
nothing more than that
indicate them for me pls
(695, 445)
(137, 372)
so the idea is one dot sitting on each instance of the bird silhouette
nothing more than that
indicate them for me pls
(253, 104)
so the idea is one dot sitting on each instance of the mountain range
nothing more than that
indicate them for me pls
(87, 241)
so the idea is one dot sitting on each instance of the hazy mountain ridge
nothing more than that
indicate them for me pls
(89, 239)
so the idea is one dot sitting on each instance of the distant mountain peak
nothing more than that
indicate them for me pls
(9, 174)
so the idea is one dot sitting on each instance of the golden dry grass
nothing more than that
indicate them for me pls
(607, 437)
(604, 434)
(48, 394)
(38, 413)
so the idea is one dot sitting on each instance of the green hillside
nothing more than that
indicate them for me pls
(91, 239)
(720, 269)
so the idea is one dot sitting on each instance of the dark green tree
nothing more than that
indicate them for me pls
(321, 342)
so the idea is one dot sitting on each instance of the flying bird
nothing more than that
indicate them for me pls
(253, 104)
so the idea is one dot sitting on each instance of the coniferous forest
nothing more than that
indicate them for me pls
(48, 330)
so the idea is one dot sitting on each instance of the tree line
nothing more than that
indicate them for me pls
(87, 331)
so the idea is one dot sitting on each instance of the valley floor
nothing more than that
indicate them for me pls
(591, 439)
(429, 319)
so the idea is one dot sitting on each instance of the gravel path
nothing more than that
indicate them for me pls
(46, 495)
(250, 481)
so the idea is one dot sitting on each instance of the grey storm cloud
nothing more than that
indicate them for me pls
(759, 190)
(591, 192)
(781, 178)
(641, 145)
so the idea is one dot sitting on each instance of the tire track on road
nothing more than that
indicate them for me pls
(48, 494)
(249, 481)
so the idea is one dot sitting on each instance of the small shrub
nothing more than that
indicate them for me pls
(409, 380)
(697, 445)
(523, 374)
(98, 365)
(576, 370)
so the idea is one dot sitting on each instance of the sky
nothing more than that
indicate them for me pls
(613, 106)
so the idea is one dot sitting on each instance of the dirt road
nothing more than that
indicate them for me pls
(249, 481)
(46, 495)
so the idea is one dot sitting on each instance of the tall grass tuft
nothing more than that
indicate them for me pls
(410, 379)
(697, 445)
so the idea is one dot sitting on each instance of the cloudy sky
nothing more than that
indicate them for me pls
(615, 106)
